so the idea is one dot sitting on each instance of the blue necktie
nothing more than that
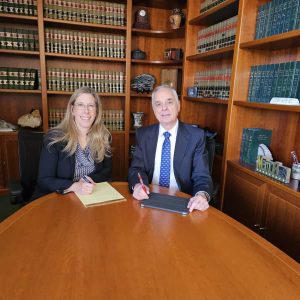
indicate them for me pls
(165, 164)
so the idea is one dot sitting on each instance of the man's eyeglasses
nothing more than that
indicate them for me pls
(82, 107)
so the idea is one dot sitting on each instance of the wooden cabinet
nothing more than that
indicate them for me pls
(9, 162)
(264, 207)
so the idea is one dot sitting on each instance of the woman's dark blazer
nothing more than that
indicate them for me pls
(56, 169)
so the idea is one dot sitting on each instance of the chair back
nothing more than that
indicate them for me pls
(30, 145)
(211, 147)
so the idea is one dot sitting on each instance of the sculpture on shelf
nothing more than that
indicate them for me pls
(33, 119)
(143, 83)
(5, 126)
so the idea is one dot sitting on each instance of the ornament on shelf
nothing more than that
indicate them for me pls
(142, 19)
(142, 83)
(137, 119)
(33, 119)
(177, 18)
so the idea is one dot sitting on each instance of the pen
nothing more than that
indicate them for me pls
(142, 183)
(84, 177)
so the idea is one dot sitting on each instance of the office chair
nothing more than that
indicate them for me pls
(211, 147)
(29, 148)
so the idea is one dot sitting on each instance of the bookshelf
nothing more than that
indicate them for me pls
(47, 100)
(270, 208)
(206, 111)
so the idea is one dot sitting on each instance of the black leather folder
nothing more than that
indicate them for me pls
(167, 202)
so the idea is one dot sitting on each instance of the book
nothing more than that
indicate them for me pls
(103, 193)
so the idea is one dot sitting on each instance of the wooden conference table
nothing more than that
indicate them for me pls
(55, 248)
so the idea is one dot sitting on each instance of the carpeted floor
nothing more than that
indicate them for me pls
(6, 208)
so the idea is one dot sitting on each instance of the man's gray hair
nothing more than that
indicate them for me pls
(158, 88)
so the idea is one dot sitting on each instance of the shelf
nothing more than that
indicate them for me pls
(157, 62)
(85, 57)
(217, 14)
(160, 4)
(140, 95)
(169, 33)
(18, 52)
(20, 91)
(291, 188)
(89, 26)
(14, 18)
(285, 40)
(207, 100)
(100, 94)
(268, 106)
(226, 52)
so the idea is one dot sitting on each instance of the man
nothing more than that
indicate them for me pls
(176, 159)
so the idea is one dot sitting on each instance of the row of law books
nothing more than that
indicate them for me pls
(68, 80)
(19, 78)
(274, 80)
(84, 43)
(55, 116)
(217, 36)
(97, 12)
(209, 4)
(276, 17)
(19, 39)
(251, 139)
(213, 83)
(20, 7)
(114, 119)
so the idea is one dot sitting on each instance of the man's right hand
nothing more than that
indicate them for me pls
(139, 193)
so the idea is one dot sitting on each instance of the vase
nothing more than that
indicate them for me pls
(137, 119)
(175, 21)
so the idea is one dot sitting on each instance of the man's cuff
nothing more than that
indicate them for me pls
(204, 194)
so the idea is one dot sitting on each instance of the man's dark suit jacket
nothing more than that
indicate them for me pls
(56, 169)
(190, 158)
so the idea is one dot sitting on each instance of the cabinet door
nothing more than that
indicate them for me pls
(282, 223)
(9, 159)
(244, 198)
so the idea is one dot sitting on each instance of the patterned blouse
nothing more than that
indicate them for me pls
(84, 163)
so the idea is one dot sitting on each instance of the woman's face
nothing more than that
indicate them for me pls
(84, 111)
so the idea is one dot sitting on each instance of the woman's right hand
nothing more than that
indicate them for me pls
(82, 187)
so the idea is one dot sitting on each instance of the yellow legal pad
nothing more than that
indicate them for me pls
(103, 193)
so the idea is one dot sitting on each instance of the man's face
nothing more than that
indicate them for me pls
(166, 108)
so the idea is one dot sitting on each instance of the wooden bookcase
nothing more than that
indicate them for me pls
(270, 208)
(206, 112)
(153, 42)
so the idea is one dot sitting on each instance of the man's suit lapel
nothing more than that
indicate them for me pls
(180, 149)
(151, 142)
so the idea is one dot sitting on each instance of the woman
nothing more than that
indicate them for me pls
(78, 146)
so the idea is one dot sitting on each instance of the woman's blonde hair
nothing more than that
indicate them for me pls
(98, 138)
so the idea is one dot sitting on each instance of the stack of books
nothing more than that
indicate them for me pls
(276, 17)
(84, 43)
(113, 119)
(22, 7)
(68, 80)
(209, 4)
(98, 12)
(19, 39)
(213, 83)
(55, 116)
(251, 139)
(217, 36)
(19, 78)
(274, 80)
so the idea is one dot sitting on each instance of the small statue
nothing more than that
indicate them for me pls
(33, 119)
